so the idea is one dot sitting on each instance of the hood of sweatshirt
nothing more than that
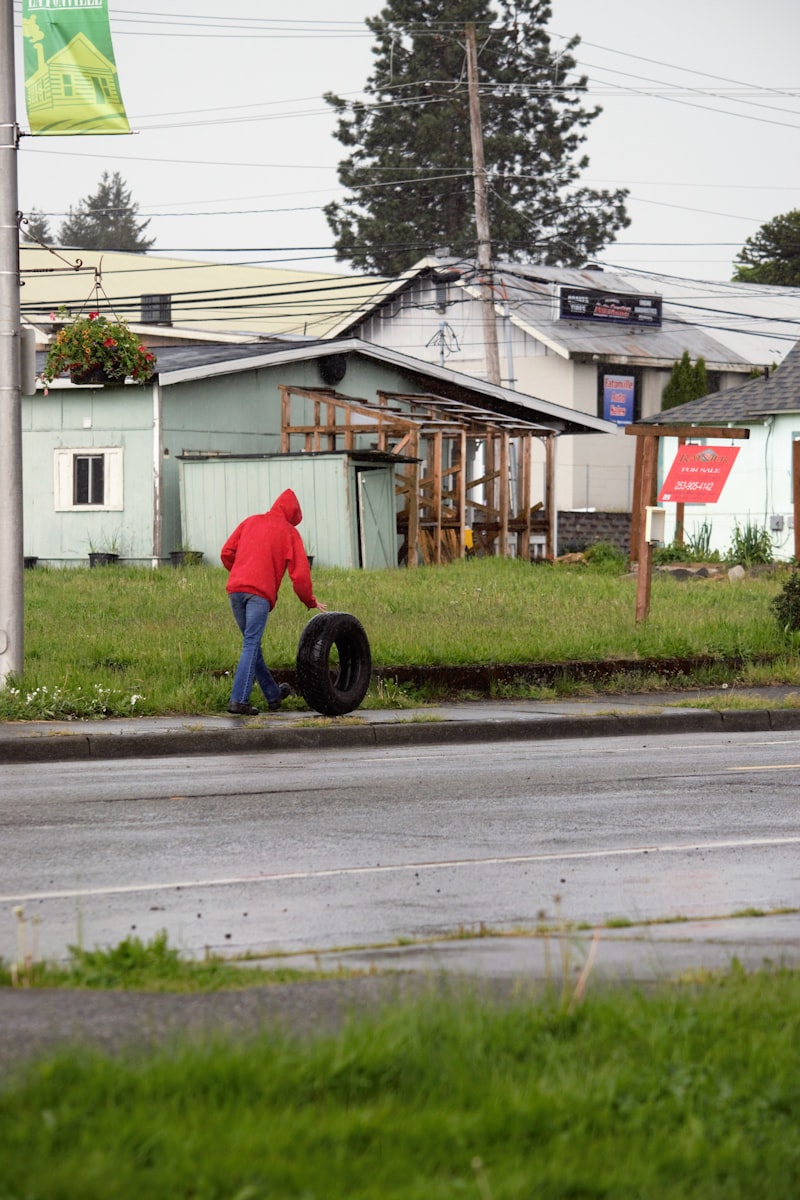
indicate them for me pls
(287, 505)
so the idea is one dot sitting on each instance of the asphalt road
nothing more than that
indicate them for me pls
(308, 852)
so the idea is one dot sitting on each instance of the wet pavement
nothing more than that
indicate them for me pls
(639, 954)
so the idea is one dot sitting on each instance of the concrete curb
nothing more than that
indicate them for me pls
(105, 745)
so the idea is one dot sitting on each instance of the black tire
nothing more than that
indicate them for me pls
(333, 689)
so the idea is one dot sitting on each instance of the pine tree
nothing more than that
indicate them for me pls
(106, 220)
(772, 255)
(687, 382)
(36, 227)
(409, 173)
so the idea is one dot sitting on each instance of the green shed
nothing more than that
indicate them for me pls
(347, 498)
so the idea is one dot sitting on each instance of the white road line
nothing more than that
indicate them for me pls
(396, 868)
(769, 767)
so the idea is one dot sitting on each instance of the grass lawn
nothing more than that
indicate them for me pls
(124, 640)
(687, 1091)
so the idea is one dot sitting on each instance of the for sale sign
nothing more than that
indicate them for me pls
(698, 474)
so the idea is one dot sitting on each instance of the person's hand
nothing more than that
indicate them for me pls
(322, 607)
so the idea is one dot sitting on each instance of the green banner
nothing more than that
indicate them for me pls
(71, 83)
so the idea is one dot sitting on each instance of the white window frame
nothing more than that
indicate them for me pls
(64, 477)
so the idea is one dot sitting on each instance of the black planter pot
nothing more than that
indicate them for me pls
(30, 561)
(92, 375)
(102, 558)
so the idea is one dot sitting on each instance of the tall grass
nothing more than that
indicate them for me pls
(129, 639)
(687, 1092)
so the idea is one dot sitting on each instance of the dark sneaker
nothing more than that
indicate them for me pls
(240, 709)
(285, 691)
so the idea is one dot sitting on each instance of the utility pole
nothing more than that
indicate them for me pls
(11, 592)
(482, 212)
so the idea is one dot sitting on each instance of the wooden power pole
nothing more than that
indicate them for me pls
(482, 212)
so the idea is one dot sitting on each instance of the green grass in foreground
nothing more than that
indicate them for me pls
(130, 640)
(133, 965)
(689, 1091)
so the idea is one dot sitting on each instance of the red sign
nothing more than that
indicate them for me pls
(698, 474)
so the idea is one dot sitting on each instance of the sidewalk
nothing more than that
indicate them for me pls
(489, 721)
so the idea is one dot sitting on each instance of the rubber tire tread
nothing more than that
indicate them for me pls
(327, 691)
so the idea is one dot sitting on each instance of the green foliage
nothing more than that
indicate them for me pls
(134, 965)
(695, 548)
(786, 605)
(605, 556)
(408, 171)
(772, 255)
(95, 341)
(35, 227)
(688, 381)
(106, 220)
(750, 544)
(672, 1092)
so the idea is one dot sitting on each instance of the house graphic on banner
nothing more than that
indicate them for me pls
(76, 89)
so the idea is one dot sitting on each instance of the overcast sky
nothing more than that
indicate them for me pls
(235, 148)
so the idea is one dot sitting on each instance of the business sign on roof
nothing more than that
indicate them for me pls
(585, 304)
(698, 474)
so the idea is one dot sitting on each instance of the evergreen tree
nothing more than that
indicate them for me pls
(773, 254)
(409, 173)
(36, 227)
(687, 382)
(106, 221)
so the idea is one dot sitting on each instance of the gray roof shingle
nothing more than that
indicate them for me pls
(751, 401)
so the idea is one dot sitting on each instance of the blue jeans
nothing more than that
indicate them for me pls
(250, 613)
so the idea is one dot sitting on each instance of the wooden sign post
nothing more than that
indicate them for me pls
(645, 485)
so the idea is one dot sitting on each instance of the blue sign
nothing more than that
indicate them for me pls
(618, 394)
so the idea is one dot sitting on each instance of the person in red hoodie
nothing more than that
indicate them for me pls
(257, 555)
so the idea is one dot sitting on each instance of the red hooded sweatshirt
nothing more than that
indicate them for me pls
(260, 551)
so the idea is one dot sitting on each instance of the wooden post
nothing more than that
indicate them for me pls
(461, 492)
(796, 497)
(636, 503)
(524, 498)
(550, 496)
(503, 497)
(643, 579)
(680, 509)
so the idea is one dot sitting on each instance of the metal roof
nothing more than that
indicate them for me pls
(184, 364)
(425, 377)
(731, 326)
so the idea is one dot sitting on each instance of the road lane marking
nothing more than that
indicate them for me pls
(396, 868)
(769, 767)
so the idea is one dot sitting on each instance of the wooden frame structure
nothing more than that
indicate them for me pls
(437, 442)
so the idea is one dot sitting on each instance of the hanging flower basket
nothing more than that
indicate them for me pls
(91, 375)
(95, 350)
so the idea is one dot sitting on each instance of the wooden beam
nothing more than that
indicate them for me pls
(690, 431)
(680, 510)
(550, 496)
(504, 499)
(796, 496)
(649, 483)
(636, 499)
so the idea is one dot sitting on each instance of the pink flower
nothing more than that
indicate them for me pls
(93, 316)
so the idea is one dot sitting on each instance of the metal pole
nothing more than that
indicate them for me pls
(11, 593)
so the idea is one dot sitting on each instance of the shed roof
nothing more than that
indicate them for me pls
(423, 377)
